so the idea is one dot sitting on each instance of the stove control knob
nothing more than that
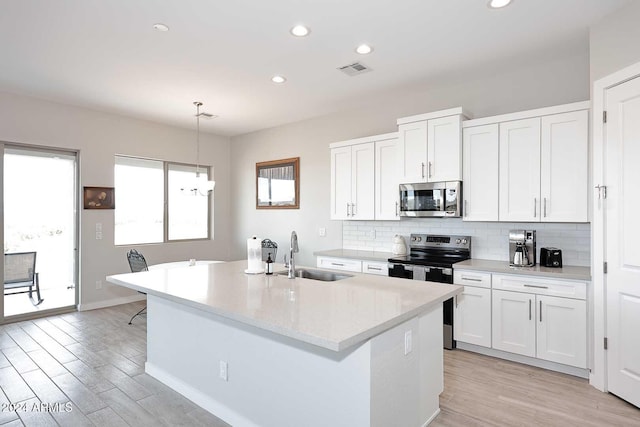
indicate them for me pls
(464, 241)
(458, 241)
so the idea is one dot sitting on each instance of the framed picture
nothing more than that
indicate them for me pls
(278, 184)
(99, 198)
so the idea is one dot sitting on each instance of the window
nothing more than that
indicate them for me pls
(141, 214)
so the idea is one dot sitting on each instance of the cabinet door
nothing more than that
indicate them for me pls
(340, 183)
(412, 152)
(564, 167)
(480, 166)
(386, 185)
(444, 149)
(520, 170)
(362, 181)
(562, 330)
(472, 316)
(513, 322)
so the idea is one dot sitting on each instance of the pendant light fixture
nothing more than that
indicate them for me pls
(202, 186)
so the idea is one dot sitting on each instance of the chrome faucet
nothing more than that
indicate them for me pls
(293, 249)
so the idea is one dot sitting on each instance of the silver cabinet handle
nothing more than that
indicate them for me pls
(337, 264)
(397, 212)
(353, 209)
(472, 279)
(535, 207)
(456, 301)
(466, 208)
(535, 286)
(422, 169)
(540, 311)
(374, 268)
(429, 169)
(529, 309)
(348, 213)
(545, 207)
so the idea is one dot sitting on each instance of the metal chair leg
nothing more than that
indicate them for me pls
(39, 300)
(137, 314)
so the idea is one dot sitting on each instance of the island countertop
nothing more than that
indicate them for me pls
(333, 315)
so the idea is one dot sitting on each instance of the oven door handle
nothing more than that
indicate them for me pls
(407, 267)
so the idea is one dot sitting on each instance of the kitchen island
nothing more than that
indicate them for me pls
(271, 351)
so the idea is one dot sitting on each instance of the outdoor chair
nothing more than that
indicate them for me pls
(137, 263)
(20, 273)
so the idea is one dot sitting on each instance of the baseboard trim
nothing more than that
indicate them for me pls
(433, 417)
(544, 364)
(111, 302)
(196, 396)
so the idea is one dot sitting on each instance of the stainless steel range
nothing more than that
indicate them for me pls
(431, 258)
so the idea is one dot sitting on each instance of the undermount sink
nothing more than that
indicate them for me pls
(325, 276)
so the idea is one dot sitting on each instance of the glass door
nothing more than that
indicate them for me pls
(39, 195)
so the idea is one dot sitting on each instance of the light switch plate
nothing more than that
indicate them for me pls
(322, 232)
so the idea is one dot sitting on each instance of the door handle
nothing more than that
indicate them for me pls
(545, 207)
(535, 207)
(422, 169)
(540, 311)
(348, 213)
(397, 213)
(466, 208)
(353, 209)
(430, 169)
(529, 309)
(456, 301)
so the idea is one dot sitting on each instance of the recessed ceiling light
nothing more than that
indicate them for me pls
(364, 49)
(497, 4)
(278, 79)
(160, 27)
(300, 31)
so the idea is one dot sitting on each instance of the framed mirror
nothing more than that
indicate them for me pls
(278, 184)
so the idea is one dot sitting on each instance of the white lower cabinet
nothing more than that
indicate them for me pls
(355, 265)
(472, 316)
(541, 326)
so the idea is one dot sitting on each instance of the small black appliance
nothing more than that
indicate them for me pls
(551, 257)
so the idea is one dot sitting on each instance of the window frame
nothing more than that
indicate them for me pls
(165, 214)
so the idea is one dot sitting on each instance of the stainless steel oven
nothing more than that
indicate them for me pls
(435, 199)
(431, 259)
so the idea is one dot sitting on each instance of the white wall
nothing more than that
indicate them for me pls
(556, 81)
(98, 137)
(615, 41)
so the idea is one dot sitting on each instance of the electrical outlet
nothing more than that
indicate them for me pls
(98, 284)
(322, 232)
(98, 226)
(98, 235)
(408, 342)
(223, 371)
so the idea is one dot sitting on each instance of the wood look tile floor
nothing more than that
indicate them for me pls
(94, 363)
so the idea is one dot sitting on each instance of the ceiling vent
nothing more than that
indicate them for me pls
(355, 69)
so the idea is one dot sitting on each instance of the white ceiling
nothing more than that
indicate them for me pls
(105, 55)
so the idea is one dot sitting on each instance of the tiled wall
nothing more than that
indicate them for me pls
(490, 240)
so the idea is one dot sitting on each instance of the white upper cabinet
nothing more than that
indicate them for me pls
(364, 178)
(386, 184)
(480, 173)
(564, 167)
(542, 168)
(520, 170)
(430, 147)
(444, 149)
(412, 152)
(352, 182)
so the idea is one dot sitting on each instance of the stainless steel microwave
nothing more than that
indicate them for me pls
(431, 199)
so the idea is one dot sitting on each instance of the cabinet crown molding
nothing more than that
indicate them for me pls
(434, 115)
(538, 112)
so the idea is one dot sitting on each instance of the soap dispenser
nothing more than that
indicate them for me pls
(269, 264)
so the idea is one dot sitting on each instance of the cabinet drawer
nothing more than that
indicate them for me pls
(472, 278)
(372, 267)
(533, 285)
(340, 264)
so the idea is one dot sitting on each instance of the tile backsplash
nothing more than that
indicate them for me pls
(490, 240)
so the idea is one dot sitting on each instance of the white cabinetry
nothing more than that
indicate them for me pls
(543, 165)
(430, 147)
(529, 319)
(355, 265)
(472, 315)
(352, 182)
(480, 173)
(364, 178)
(387, 197)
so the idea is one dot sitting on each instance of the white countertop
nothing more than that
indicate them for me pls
(568, 272)
(333, 315)
(354, 254)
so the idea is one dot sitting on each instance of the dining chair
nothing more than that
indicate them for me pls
(20, 272)
(137, 263)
